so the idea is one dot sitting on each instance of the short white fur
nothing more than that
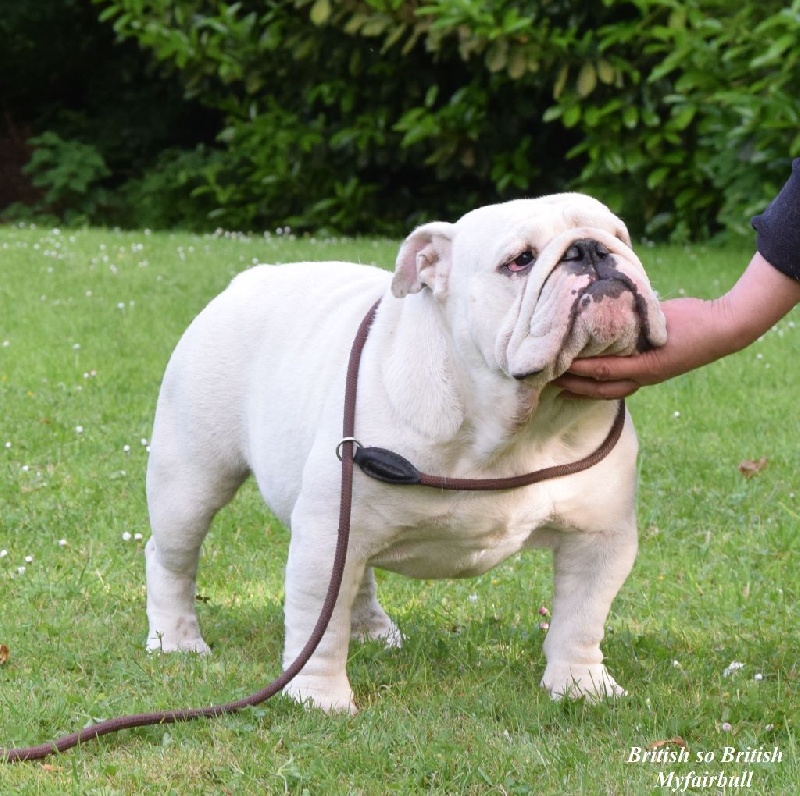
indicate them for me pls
(456, 376)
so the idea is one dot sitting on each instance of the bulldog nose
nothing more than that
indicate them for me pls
(584, 255)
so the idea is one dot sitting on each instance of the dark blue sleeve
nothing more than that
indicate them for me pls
(778, 227)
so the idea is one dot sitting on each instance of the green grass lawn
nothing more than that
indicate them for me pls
(87, 322)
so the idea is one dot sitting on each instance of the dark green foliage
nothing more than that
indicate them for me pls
(371, 115)
(67, 172)
(698, 120)
(99, 113)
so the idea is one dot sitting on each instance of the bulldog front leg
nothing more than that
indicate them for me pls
(589, 570)
(171, 605)
(322, 682)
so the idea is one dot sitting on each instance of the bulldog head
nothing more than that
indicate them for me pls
(532, 284)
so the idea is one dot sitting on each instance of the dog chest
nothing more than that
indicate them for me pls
(477, 533)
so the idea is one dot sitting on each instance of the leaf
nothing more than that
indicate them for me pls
(749, 468)
(630, 116)
(517, 64)
(775, 53)
(353, 25)
(320, 12)
(682, 118)
(553, 112)
(606, 72)
(497, 55)
(587, 80)
(561, 82)
(572, 116)
(676, 741)
(4, 654)
(657, 177)
(376, 25)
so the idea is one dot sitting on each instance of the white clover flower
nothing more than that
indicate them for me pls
(3, 553)
(28, 559)
(137, 537)
(79, 429)
(732, 667)
(62, 542)
(126, 537)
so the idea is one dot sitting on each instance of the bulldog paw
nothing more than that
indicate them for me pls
(184, 636)
(312, 694)
(592, 682)
(378, 629)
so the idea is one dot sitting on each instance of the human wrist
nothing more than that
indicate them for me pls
(731, 328)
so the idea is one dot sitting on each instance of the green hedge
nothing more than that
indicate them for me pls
(371, 115)
(102, 121)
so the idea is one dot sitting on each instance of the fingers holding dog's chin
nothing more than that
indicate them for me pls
(582, 387)
(599, 368)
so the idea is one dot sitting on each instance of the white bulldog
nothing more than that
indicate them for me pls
(479, 317)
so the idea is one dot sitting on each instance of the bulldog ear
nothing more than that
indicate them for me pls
(424, 260)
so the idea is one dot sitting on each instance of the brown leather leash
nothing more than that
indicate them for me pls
(392, 468)
(375, 462)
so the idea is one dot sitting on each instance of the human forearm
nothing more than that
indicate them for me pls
(759, 299)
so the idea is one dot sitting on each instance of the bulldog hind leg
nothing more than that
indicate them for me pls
(183, 497)
(368, 620)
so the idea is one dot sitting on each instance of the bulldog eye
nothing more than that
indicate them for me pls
(520, 263)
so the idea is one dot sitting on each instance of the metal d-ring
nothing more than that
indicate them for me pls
(346, 439)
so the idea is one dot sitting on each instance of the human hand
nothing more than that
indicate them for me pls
(698, 332)
(691, 342)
